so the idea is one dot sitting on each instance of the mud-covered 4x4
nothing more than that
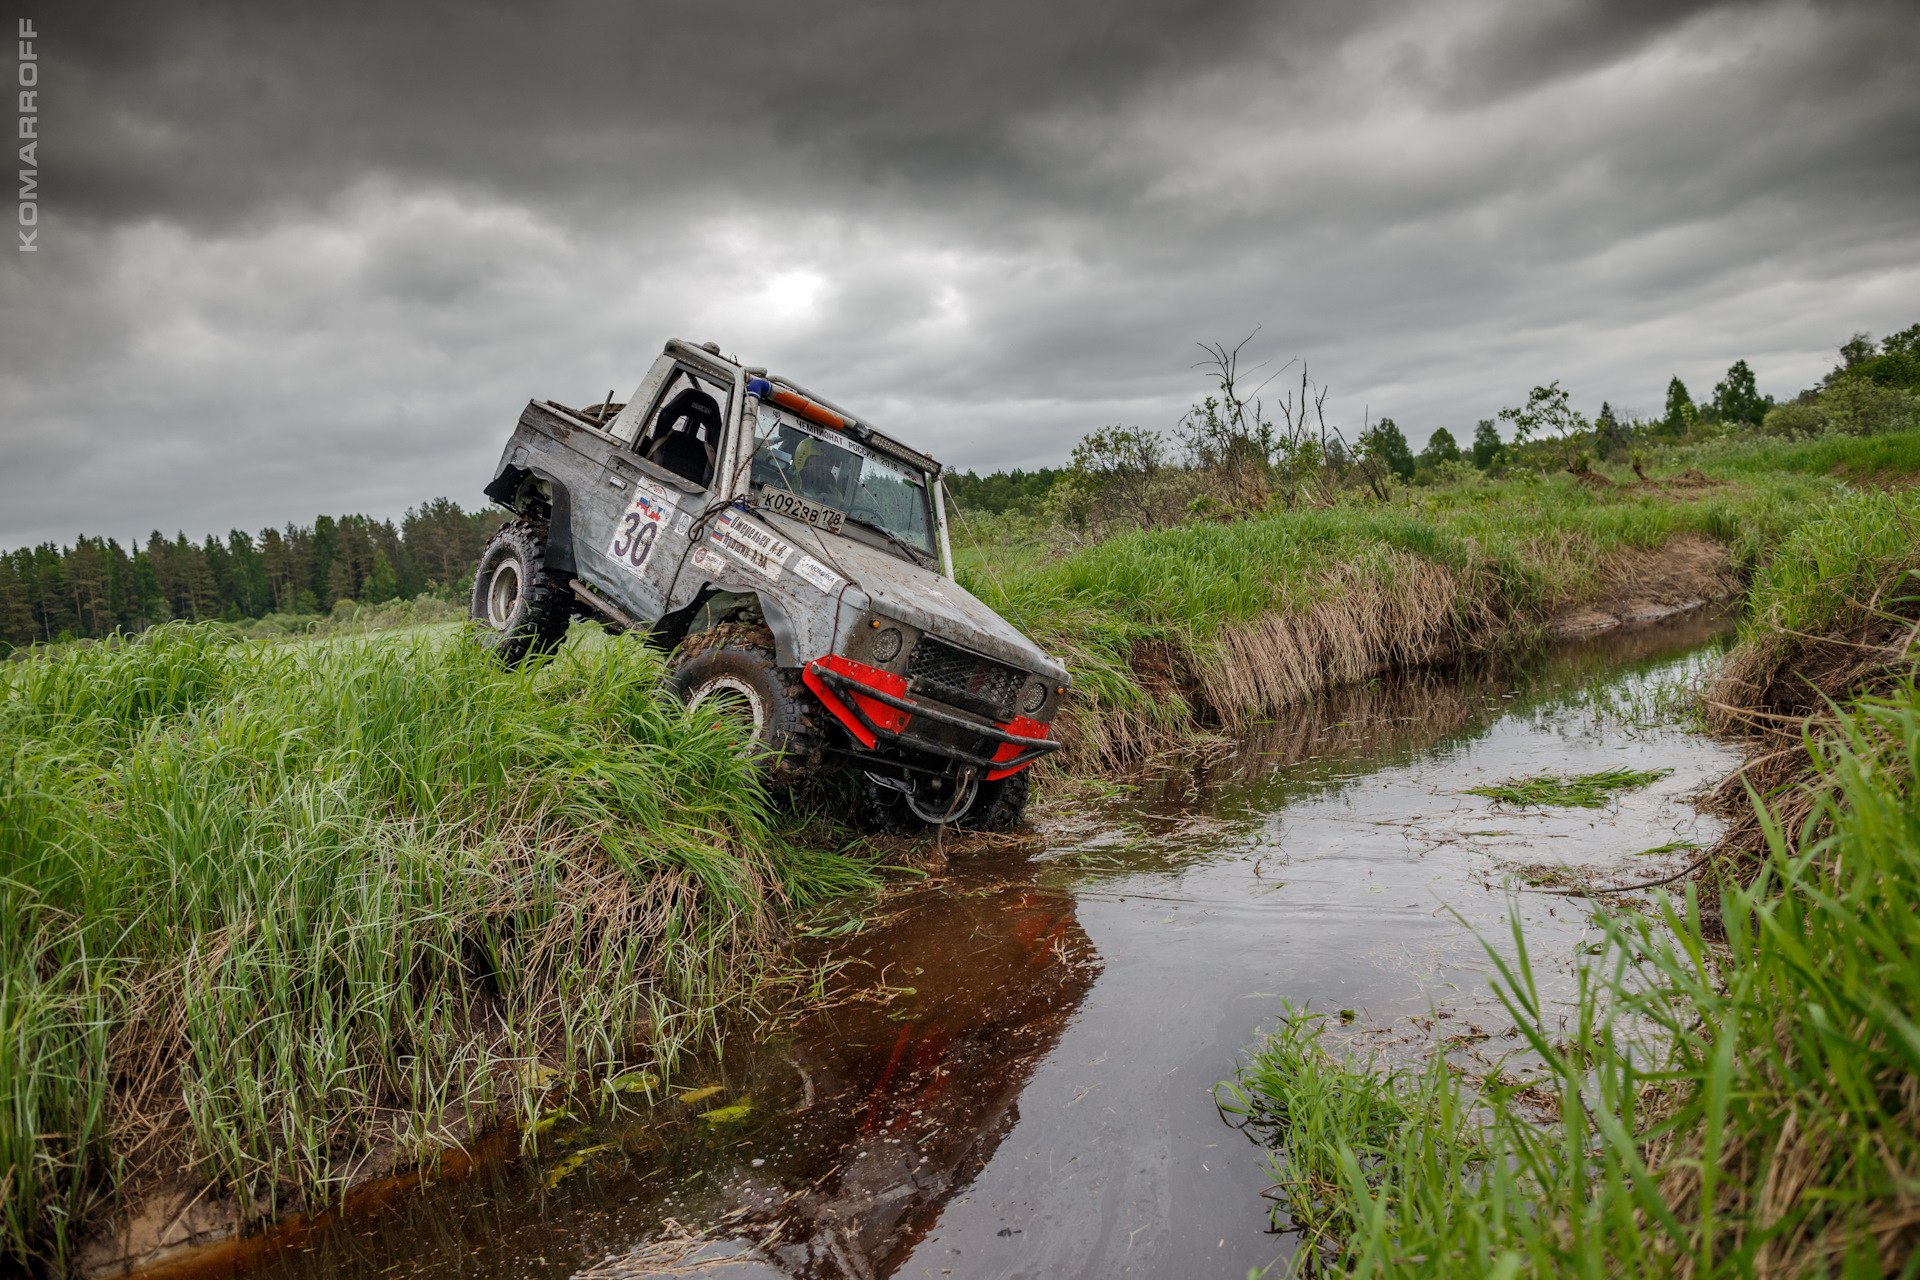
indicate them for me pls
(795, 563)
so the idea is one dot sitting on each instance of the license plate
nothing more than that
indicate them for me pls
(785, 502)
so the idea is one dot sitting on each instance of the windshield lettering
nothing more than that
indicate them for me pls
(838, 474)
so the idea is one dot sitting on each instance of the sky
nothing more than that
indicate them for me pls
(294, 260)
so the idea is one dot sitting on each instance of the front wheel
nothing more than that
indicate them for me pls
(1000, 805)
(731, 669)
(519, 607)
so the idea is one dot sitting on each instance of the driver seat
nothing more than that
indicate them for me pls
(676, 442)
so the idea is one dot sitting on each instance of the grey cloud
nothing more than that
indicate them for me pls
(306, 260)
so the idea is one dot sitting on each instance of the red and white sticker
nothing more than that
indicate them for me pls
(818, 574)
(637, 532)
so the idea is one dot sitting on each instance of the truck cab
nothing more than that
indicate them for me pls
(794, 562)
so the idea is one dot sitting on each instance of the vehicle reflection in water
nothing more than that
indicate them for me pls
(827, 1147)
(905, 1091)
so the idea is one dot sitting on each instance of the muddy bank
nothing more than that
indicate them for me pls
(1834, 619)
(1397, 612)
(1645, 586)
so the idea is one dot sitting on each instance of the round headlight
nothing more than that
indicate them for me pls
(1035, 696)
(886, 645)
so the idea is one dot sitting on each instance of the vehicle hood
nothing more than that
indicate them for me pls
(921, 598)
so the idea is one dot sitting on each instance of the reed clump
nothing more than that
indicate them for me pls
(278, 914)
(1699, 1112)
(1833, 617)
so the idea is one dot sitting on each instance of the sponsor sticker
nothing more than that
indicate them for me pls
(707, 562)
(749, 543)
(816, 573)
(680, 525)
(636, 532)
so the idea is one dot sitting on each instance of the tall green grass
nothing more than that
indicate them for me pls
(1852, 562)
(282, 904)
(1508, 553)
(1737, 1110)
(1886, 457)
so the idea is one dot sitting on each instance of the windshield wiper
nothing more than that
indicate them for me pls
(913, 553)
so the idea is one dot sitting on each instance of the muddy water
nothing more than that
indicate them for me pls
(1012, 1072)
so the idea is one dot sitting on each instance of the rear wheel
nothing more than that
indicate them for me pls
(519, 606)
(731, 669)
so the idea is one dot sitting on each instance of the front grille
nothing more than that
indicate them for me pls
(965, 679)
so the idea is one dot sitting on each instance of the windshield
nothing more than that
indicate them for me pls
(839, 473)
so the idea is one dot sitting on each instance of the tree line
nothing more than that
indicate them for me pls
(97, 587)
(1002, 489)
(1232, 453)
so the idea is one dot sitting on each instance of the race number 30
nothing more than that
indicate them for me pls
(634, 538)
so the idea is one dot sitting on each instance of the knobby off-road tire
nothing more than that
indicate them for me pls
(520, 607)
(732, 667)
(999, 805)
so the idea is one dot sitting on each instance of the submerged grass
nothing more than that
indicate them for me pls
(1746, 1111)
(283, 906)
(1582, 791)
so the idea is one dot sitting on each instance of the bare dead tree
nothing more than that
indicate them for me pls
(1312, 454)
(1229, 435)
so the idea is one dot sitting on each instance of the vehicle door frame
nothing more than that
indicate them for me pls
(649, 593)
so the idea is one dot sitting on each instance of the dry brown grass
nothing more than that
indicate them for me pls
(1763, 1178)
(1397, 611)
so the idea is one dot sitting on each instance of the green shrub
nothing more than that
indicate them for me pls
(1794, 419)
(1861, 407)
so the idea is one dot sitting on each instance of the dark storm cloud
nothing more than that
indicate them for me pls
(315, 259)
(205, 113)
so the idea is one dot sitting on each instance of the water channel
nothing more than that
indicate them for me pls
(1013, 1074)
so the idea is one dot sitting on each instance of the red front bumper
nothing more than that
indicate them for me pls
(874, 706)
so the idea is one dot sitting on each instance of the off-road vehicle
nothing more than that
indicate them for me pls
(793, 560)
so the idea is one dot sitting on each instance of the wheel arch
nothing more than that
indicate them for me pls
(718, 602)
(526, 491)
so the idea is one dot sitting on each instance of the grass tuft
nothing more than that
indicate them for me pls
(277, 906)
(1582, 791)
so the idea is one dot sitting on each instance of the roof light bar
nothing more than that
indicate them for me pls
(814, 413)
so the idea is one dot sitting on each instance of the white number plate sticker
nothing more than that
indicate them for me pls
(746, 541)
(637, 532)
(787, 503)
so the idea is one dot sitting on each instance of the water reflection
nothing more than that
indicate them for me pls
(828, 1146)
(909, 1087)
